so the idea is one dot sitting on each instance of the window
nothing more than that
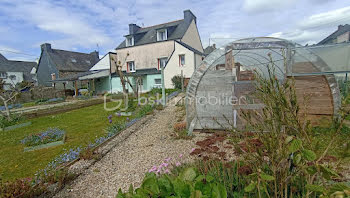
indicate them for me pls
(3, 75)
(131, 66)
(157, 81)
(181, 60)
(162, 35)
(162, 62)
(129, 41)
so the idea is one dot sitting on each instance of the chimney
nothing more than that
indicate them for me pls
(133, 28)
(214, 46)
(46, 47)
(95, 54)
(53, 76)
(340, 27)
(189, 16)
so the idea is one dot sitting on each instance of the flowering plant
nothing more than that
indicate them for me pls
(50, 135)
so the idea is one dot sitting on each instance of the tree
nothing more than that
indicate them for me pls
(7, 96)
(124, 78)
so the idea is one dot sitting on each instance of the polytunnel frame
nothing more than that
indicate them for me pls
(267, 43)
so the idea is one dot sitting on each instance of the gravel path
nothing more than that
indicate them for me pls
(127, 162)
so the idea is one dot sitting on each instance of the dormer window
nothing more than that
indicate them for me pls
(162, 35)
(129, 41)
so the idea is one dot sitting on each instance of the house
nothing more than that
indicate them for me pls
(341, 35)
(13, 72)
(55, 64)
(209, 49)
(176, 46)
(99, 76)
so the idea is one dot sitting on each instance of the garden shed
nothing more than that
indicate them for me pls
(223, 84)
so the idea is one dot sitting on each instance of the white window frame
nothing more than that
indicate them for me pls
(128, 44)
(3, 75)
(131, 69)
(165, 31)
(180, 60)
(156, 83)
(160, 61)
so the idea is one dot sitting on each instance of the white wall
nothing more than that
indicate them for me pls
(19, 78)
(102, 64)
(173, 68)
(145, 56)
(192, 37)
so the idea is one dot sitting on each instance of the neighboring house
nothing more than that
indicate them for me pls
(13, 72)
(99, 75)
(209, 49)
(341, 35)
(175, 45)
(55, 64)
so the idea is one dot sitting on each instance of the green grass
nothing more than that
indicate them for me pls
(29, 104)
(82, 126)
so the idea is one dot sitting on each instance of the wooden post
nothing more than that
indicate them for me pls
(229, 63)
(76, 88)
(64, 88)
(93, 86)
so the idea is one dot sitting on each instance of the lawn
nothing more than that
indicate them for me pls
(82, 126)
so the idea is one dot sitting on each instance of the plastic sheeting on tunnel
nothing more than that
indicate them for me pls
(255, 54)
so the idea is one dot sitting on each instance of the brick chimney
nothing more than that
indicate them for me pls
(46, 47)
(189, 16)
(133, 28)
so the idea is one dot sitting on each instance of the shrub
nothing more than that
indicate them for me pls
(115, 127)
(59, 176)
(177, 81)
(288, 159)
(155, 91)
(14, 119)
(230, 174)
(144, 110)
(50, 135)
(180, 126)
(87, 153)
(20, 188)
(187, 184)
(159, 107)
(39, 101)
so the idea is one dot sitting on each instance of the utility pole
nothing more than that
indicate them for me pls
(182, 81)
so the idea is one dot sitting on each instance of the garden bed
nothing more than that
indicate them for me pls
(50, 137)
(42, 146)
(16, 126)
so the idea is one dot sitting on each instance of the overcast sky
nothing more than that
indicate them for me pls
(80, 25)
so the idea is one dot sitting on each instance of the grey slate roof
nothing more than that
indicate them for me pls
(209, 50)
(341, 30)
(2, 58)
(147, 35)
(72, 61)
(18, 66)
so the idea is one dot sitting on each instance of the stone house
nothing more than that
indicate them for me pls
(60, 64)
